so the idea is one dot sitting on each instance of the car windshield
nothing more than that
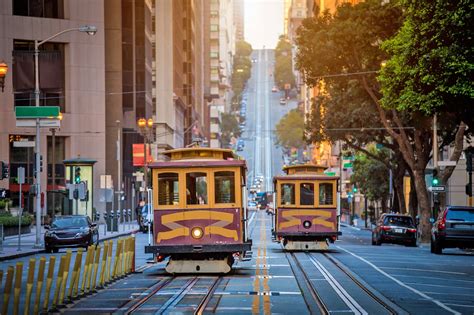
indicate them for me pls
(398, 221)
(252, 204)
(460, 215)
(65, 223)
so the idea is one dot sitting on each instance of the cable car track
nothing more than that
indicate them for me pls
(176, 297)
(345, 293)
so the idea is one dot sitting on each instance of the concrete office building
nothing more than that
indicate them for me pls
(77, 87)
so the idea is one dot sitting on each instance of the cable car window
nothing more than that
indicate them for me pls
(196, 188)
(224, 187)
(168, 191)
(326, 194)
(287, 194)
(306, 194)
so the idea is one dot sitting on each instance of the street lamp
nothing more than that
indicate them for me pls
(146, 127)
(91, 30)
(53, 163)
(3, 73)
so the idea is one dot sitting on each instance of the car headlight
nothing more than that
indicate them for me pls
(197, 232)
(306, 224)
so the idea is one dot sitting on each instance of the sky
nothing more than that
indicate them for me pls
(263, 22)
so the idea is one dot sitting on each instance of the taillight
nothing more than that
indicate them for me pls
(412, 230)
(442, 223)
(386, 228)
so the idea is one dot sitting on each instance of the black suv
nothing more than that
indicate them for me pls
(394, 228)
(453, 228)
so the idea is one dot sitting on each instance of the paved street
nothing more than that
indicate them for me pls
(404, 279)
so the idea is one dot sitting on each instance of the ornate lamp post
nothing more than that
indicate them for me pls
(53, 163)
(145, 127)
(3, 74)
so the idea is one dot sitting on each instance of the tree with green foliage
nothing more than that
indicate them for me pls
(347, 47)
(229, 128)
(241, 72)
(290, 130)
(371, 176)
(284, 63)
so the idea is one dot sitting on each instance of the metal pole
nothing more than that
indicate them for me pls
(150, 213)
(145, 164)
(435, 141)
(366, 212)
(119, 172)
(37, 151)
(19, 221)
(53, 170)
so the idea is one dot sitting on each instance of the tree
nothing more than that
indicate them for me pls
(284, 63)
(290, 130)
(344, 111)
(241, 72)
(371, 176)
(430, 71)
(350, 43)
(229, 128)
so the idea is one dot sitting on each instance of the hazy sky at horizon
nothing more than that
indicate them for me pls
(263, 22)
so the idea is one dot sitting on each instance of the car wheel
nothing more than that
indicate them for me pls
(48, 249)
(373, 240)
(436, 247)
(55, 250)
(411, 244)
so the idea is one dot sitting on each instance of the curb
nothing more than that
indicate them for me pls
(41, 251)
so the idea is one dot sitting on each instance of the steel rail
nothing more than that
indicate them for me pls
(207, 298)
(360, 285)
(316, 297)
(145, 298)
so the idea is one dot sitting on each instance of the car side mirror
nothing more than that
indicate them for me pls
(46, 227)
(94, 224)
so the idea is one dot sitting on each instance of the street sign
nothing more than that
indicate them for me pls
(44, 123)
(106, 195)
(437, 188)
(28, 112)
(347, 165)
(21, 175)
(447, 163)
(23, 144)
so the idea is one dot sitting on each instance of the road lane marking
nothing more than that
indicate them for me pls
(426, 270)
(337, 287)
(437, 302)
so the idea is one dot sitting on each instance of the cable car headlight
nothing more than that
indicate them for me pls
(306, 224)
(197, 232)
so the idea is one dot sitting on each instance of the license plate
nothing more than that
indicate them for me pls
(398, 230)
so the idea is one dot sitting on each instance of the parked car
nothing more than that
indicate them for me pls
(274, 89)
(70, 231)
(282, 101)
(396, 229)
(453, 228)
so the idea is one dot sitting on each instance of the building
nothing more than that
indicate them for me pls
(239, 14)
(72, 76)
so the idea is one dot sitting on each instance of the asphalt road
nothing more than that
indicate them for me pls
(409, 280)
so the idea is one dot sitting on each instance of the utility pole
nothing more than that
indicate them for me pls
(119, 168)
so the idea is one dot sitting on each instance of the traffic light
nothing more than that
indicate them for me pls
(435, 180)
(4, 172)
(469, 189)
(354, 189)
(77, 175)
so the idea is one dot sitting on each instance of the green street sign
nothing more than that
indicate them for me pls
(29, 112)
(347, 165)
(330, 173)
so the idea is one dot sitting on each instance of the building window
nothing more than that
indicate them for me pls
(326, 194)
(55, 197)
(51, 74)
(306, 194)
(224, 187)
(196, 188)
(168, 189)
(53, 9)
(287, 194)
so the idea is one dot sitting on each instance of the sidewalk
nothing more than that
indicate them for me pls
(10, 244)
(360, 225)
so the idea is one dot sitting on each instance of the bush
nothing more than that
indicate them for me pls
(4, 213)
(8, 221)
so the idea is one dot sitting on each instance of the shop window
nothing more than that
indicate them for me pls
(168, 189)
(306, 194)
(326, 194)
(196, 188)
(224, 187)
(287, 194)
